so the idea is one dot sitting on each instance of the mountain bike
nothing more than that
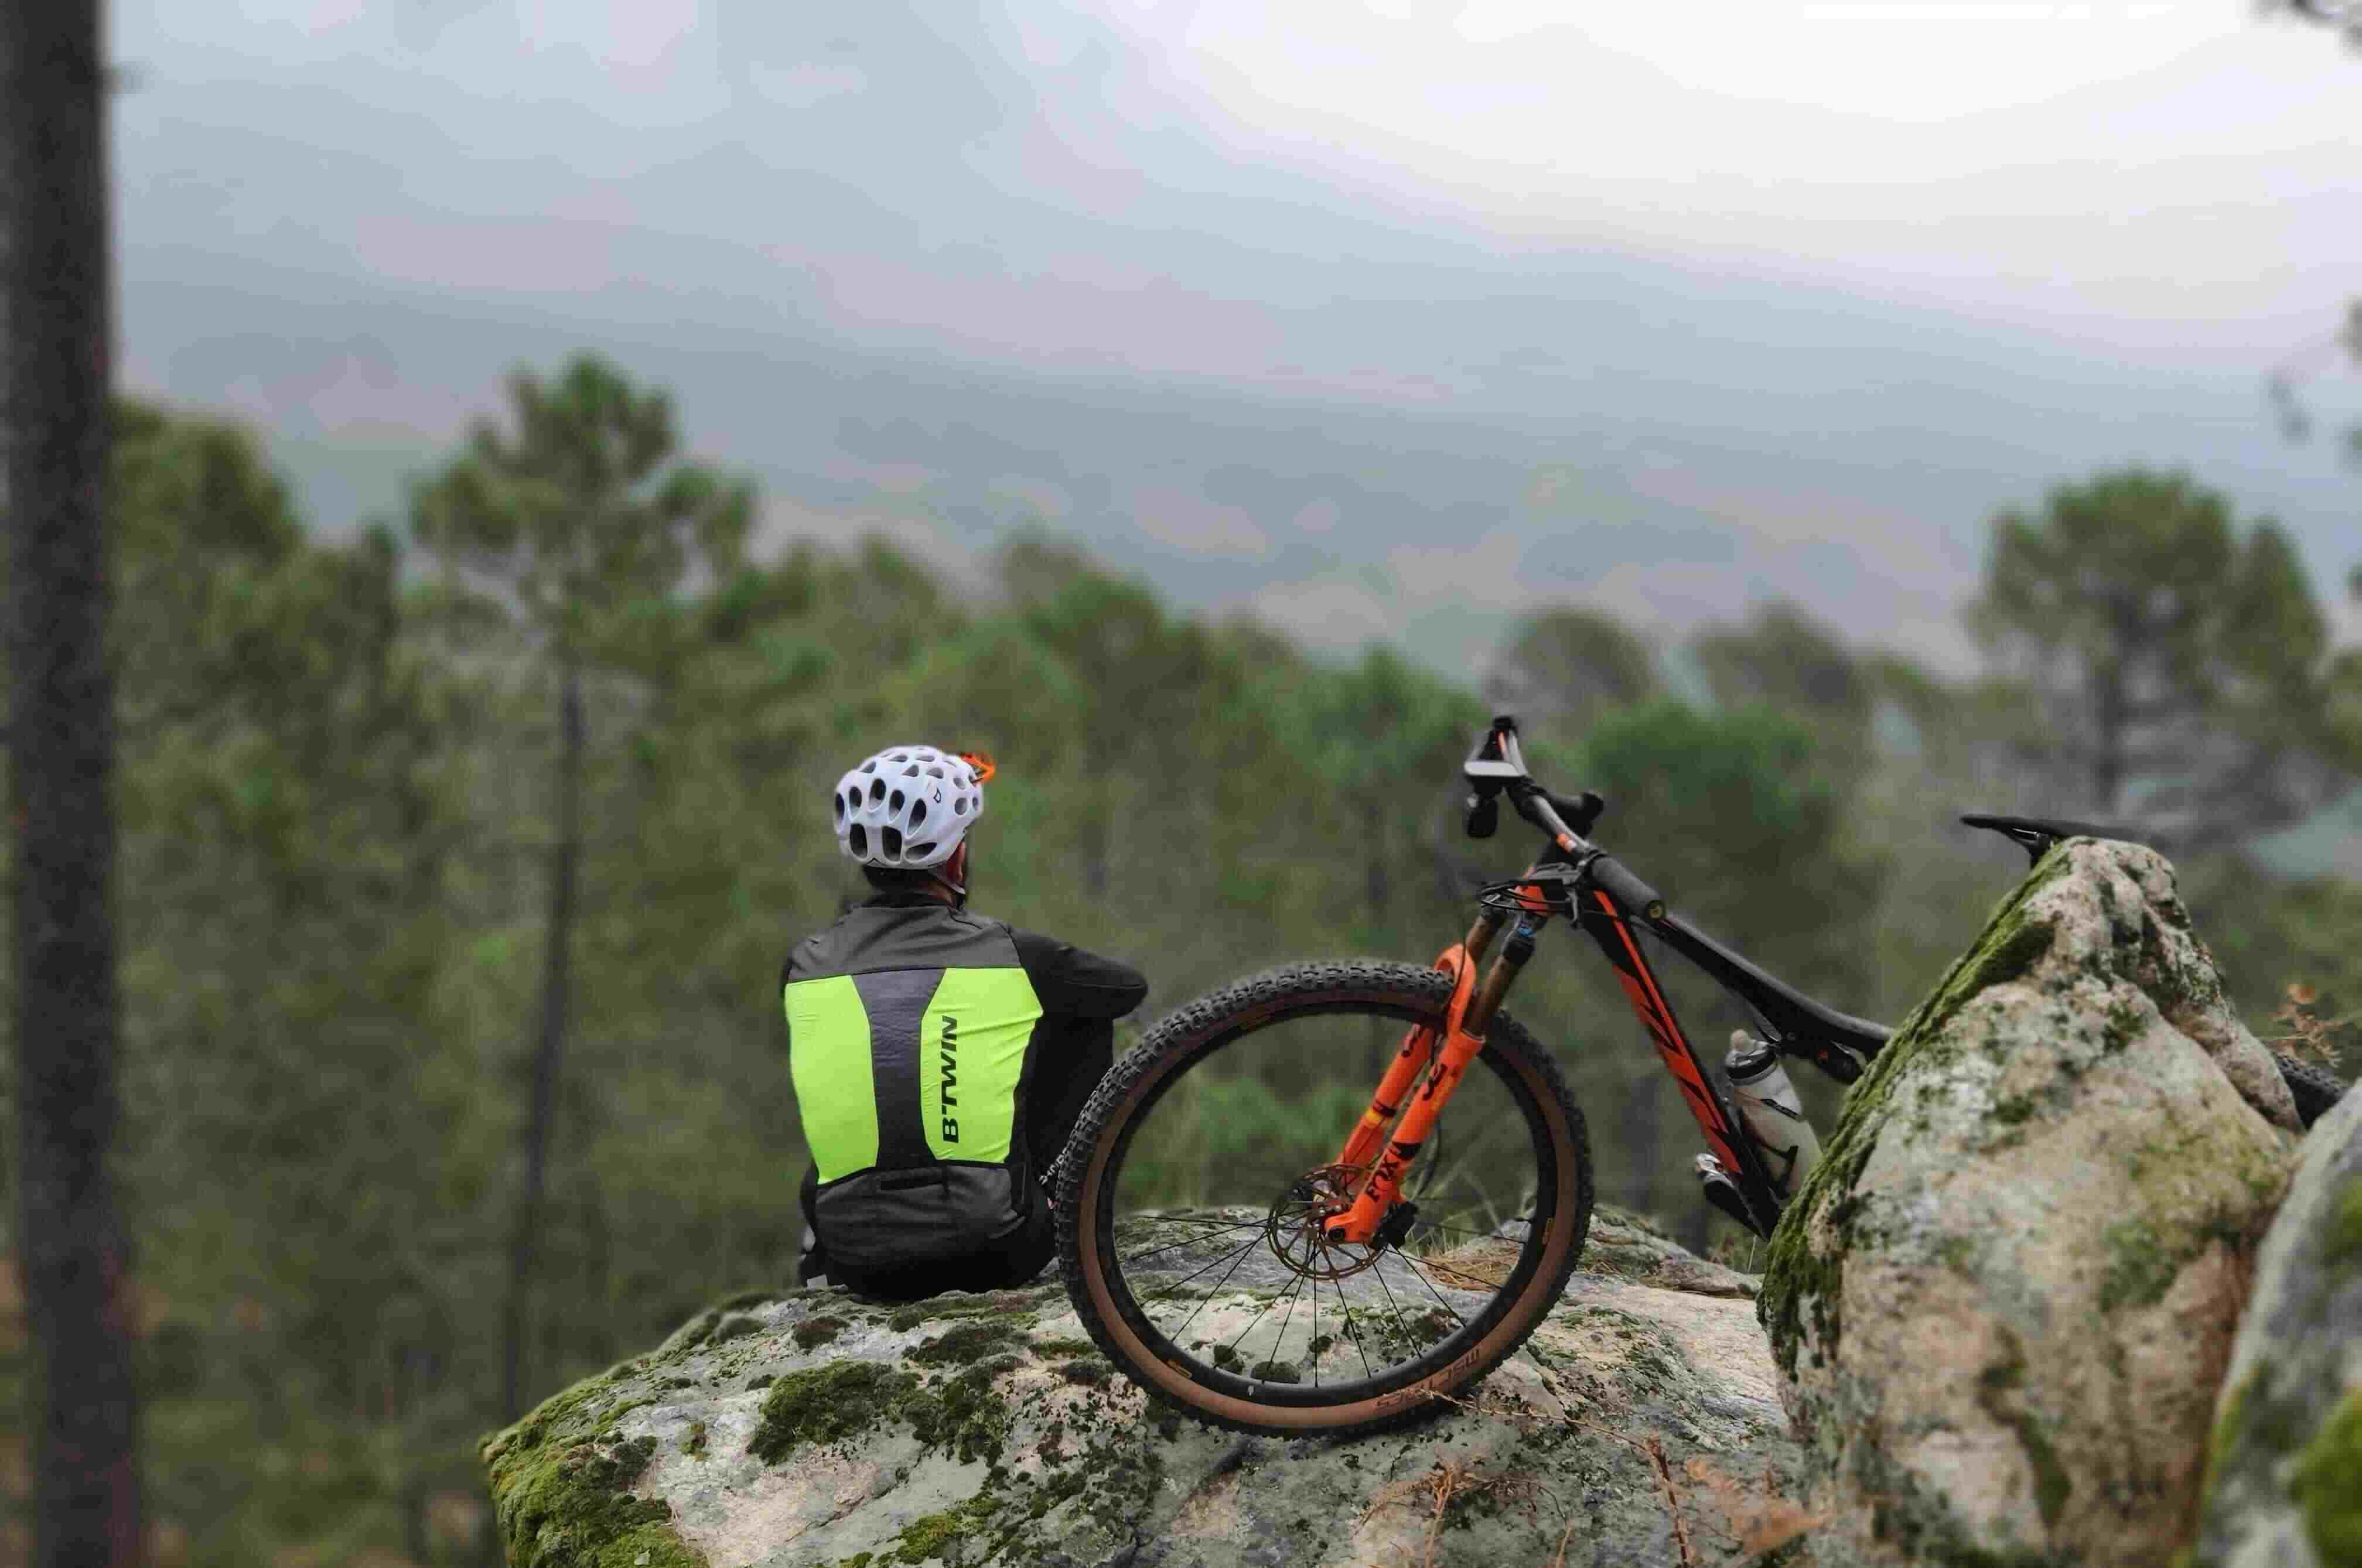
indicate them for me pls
(1264, 1244)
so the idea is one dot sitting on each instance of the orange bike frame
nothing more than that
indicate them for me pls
(1387, 1156)
(1462, 1038)
(1370, 1139)
(1613, 932)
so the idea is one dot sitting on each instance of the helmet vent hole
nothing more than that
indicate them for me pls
(959, 807)
(859, 840)
(921, 851)
(839, 802)
(912, 771)
(870, 765)
(894, 801)
(934, 773)
(892, 839)
(918, 812)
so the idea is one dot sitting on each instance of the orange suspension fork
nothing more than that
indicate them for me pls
(1464, 1028)
(1402, 1073)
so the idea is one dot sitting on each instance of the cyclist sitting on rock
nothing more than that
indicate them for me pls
(940, 1057)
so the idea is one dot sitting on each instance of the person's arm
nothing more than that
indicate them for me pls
(1073, 982)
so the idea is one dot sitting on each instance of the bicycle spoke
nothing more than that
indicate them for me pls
(1393, 1306)
(1312, 1352)
(1475, 1281)
(1353, 1332)
(1437, 1294)
(1279, 1339)
(1220, 1188)
(1194, 1241)
(1185, 1322)
(1245, 1248)
(1266, 1312)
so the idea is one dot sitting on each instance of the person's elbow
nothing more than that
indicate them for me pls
(1130, 997)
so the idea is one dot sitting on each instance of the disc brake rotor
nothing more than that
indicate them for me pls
(1297, 1227)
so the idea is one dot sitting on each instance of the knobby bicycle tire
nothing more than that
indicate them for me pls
(1550, 1240)
(2314, 1089)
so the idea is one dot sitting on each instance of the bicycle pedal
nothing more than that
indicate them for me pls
(1723, 1192)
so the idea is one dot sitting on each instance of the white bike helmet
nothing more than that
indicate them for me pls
(908, 806)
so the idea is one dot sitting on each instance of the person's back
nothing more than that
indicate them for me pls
(940, 1057)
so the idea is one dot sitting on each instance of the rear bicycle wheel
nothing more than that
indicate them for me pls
(1194, 1186)
(2313, 1087)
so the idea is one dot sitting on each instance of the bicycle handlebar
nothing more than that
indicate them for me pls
(1498, 766)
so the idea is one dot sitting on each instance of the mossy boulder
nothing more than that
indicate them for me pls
(2284, 1471)
(988, 1429)
(563, 1480)
(2002, 1300)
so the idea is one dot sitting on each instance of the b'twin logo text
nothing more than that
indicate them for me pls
(950, 1128)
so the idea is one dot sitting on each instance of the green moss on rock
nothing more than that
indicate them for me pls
(2141, 1266)
(560, 1486)
(2325, 1484)
(1802, 1282)
(826, 1404)
(813, 1332)
(997, 1304)
(1063, 1345)
(735, 1328)
(967, 1342)
(1089, 1372)
(966, 1416)
(936, 1536)
(692, 1337)
(1995, 1384)
(744, 1299)
(2341, 1242)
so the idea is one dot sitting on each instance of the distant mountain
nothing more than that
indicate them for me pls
(1668, 443)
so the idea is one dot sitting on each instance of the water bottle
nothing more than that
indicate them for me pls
(1767, 1103)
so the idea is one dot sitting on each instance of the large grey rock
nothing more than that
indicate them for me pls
(2003, 1300)
(2284, 1472)
(811, 1428)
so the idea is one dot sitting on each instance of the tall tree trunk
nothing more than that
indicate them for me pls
(84, 1409)
(564, 855)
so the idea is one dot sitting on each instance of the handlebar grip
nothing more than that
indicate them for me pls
(1631, 894)
(1484, 815)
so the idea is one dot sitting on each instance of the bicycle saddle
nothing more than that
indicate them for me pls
(2037, 834)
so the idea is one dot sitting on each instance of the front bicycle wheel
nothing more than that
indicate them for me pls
(1191, 1206)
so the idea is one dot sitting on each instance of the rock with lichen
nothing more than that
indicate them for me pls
(1636, 1247)
(1642, 1426)
(2284, 1471)
(2003, 1301)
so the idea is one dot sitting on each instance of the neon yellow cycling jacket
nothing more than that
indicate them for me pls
(910, 1035)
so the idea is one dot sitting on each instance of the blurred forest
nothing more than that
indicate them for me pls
(458, 861)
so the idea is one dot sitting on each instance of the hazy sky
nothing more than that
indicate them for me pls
(2176, 175)
(2107, 222)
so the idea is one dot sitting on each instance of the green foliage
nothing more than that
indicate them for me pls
(337, 760)
(1783, 660)
(1744, 830)
(1560, 669)
(2184, 662)
(580, 516)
